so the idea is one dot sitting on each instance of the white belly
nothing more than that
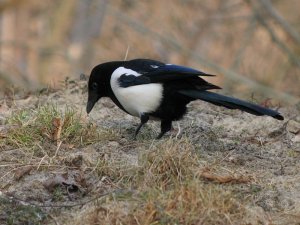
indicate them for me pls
(136, 99)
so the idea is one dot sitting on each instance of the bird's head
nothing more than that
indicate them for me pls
(99, 83)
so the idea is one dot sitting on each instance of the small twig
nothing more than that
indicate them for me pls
(136, 220)
(94, 168)
(41, 162)
(66, 205)
(58, 147)
(48, 165)
(43, 150)
(7, 173)
(53, 218)
(127, 51)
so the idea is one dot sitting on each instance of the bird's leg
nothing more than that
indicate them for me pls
(144, 119)
(165, 126)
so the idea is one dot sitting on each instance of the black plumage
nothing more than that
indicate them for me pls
(151, 89)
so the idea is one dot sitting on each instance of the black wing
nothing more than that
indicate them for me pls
(157, 72)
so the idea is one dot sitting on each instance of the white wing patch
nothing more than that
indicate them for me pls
(136, 99)
(154, 66)
(122, 70)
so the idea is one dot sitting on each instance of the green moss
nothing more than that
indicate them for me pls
(12, 213)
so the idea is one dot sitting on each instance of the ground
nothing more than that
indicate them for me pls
(217, 166)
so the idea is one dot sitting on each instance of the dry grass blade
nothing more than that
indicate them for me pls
(189, 203)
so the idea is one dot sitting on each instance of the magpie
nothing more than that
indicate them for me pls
(150, 89)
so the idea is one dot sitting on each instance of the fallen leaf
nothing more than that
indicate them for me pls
(57, 128)
(224, 178)
(21, 172)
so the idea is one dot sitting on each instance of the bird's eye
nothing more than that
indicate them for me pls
(94, 86)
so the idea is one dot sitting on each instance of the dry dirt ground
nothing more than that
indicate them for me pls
(58, 166)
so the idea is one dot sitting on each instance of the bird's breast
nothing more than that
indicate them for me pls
(136, 99)
(139, 99)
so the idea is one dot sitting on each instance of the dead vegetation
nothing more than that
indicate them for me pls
(188, 203)
(219, 167)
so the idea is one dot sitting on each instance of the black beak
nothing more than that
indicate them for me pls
(89, 107)
(92, 99)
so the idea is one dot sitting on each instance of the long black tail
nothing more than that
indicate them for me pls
(232, 103)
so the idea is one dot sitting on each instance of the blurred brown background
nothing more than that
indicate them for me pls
(254, 46)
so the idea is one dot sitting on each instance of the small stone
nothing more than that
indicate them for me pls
(108, 104)
(296, 138)
(293, 127)
(113, 144)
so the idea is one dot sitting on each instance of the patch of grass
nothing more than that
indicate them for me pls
(167, 163)
(163, 165)
(30, 127)
(22, 132)
(165, 188)
(190, 203)
(117, 171)
(58, 194)
(12, 213)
